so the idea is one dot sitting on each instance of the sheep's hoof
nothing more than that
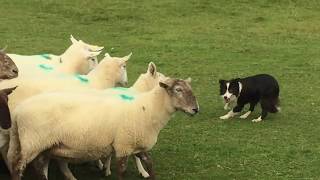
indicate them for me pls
(145, 175)
(107, 173)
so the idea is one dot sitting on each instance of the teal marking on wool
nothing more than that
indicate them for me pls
(82, 78)
(45, 56)
(46, 67)
(121, 88)
(126, 97)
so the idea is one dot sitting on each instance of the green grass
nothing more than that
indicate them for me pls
(206, 40)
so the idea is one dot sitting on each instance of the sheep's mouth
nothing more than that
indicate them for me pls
(11, 76)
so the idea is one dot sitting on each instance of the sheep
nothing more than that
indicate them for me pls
(79, 58)
(109, 72)
(8, 68)
(145, 82)
(128, 126)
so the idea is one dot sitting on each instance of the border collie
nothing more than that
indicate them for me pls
(261, 88)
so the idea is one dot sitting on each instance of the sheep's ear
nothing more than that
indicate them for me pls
(3, 50)
(167, 83)
(163, 85)
(98, 48)
(9, 90)
(152, 69)
(5, 120)
(126, 58)
(91, 54)
(107, 55)
(73, 40)
(188, 80)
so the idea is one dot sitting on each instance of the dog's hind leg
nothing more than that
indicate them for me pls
(265, 104)
(251, 109)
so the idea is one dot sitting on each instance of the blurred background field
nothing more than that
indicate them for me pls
(207, 40)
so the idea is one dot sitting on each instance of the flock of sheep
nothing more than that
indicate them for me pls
(72, 109)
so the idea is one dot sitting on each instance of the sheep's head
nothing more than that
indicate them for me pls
(81, 56)
(8, 69)
(5, 118)
(181, 95)
(115, 66)
(148, 80)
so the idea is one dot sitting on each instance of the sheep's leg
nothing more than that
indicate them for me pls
(145, 157)
(122, 163)
(141, 170)
(100, 164)
(41, 165)
(63, 166)
(4, 153)
(107, 165)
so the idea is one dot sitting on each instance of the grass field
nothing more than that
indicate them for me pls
(207, 40)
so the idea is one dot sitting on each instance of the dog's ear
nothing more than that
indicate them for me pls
(222, 81)
(237, 79)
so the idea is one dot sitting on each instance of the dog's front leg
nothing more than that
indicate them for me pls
(233, 112)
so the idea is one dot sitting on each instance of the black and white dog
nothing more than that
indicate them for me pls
(261, 88)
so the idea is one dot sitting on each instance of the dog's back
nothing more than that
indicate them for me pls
(263, 87)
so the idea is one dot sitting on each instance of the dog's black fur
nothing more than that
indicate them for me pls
(261, 88)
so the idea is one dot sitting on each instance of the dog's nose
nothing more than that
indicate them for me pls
(195, 110)
(225, 97)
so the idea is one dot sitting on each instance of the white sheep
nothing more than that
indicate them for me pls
(145, 82)
(79, 58)
(128, 126)
(109, 72)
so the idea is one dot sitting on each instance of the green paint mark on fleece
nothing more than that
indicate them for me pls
(126, 97)
(45, 56)
(82, 78)
(121, 88)
(46, 67)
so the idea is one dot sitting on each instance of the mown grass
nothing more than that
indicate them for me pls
(207, 40)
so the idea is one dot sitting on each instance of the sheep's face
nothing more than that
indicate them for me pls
(5, 120)
(148, 80)
(181, 95)
(119, 67)
(8, 69)
(83, 56)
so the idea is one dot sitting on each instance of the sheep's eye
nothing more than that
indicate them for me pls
(178, 90)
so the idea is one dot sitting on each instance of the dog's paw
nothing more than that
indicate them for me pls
(245, 115)
(257, 120)
(225, 116)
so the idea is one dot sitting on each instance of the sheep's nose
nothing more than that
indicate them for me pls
(195, 110)
(15, 71)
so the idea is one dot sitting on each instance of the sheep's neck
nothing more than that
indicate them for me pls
(160, 109)
(101, 80)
